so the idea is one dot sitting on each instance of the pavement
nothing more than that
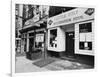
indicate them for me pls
(18, 54)
(24, 65)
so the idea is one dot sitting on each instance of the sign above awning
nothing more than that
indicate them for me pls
(32, 21)
(73, 16)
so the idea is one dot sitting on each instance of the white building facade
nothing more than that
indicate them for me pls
(72, 32)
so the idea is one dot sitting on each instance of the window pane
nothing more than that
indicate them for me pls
(81, 45)
(53, 38)
(89, 27)
(85, 45)
(86, 27)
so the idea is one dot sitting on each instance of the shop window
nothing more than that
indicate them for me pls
(84, 32)
(39, 41)
(85, 45)
(31, 34)
(53, 38)
(38, 44)
(86, 27)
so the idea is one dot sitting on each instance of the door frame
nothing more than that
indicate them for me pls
(73, 50)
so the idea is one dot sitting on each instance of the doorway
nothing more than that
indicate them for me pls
(31, 44)
(70, 44)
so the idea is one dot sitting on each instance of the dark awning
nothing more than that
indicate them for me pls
(23, 30)
(39, 24)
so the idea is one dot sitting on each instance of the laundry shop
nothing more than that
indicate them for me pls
(71, 33)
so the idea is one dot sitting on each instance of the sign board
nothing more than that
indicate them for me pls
(73, 16)
(36, 18)
(39, 37)
(28, 22)
(32, 21)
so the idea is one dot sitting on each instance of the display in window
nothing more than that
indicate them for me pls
(85, 38)
(40, 38)
(39, 44)
(53, 38)
(85, 45)
(39, 41)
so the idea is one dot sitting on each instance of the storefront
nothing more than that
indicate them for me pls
(40, 41)
(71, 32)
(33, 39)
(35, 43)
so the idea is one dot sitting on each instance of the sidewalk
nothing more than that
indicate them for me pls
(24, 65)
(66, 65)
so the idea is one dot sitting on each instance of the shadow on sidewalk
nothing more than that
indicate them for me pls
(83, 59)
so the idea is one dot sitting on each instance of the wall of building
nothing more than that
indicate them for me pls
(61, 37)
(32, 15)
(89, 37)
(19, 13)
(68, 28)
(60, 40)
(66, 20)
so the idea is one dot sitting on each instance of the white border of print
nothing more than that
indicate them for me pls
(39, 2)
